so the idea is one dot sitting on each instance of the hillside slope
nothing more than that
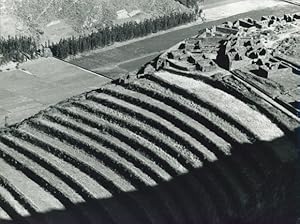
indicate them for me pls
(179, 142)
(59, 18)
(146, 152)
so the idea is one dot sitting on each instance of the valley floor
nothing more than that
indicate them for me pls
(128, 56)
(39, 84)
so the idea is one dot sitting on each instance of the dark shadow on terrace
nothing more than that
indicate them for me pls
(256, 184)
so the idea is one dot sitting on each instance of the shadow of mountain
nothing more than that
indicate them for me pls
(255, 184)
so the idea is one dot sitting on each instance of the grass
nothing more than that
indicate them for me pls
(148, 132)
(45, 169)
(204, 135)
(137, 137)
(105, 172)
(140, 114)
(257, 122)
(151, 105)
(143, 143)
(58, 167)
(171, 147)
(165, 134)
(48, 180)
(218, 121)
(17, 195)
(109, 158)
(7, 197)
(221, 123)
(99, 173)
(159, 93)
(108, 140)
(46, 82)
(283, 121)
(12, 165)
(67, 154)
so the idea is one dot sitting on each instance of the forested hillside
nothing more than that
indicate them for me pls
(189, 3)
(22, 48)
(54, 19)
(73, 26)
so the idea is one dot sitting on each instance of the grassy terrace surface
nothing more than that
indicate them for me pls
(258, 124)
(156, 150)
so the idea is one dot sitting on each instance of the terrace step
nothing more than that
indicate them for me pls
(18, 151)
(188, 115)
(203, 111)
(230, 129)
(237, 160)
(62, 152)
(48, 181)
(64, 135)
(259, 160)
(261, 126)
(116, 116)
(129, 137)
(151, 104)
(64, 172)
(94, 119)
(42, 200)
(17, 195)
(162, 110)
(108, 180)
(111, 159)
(152, 134)
(3, 214)
(12, 206)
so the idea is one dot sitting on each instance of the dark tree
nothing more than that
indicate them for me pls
(21, 48)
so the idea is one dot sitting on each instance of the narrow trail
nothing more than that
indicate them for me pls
(266, 97)
(294, 2)
(45, 10)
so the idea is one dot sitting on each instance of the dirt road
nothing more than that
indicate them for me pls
(114, 61)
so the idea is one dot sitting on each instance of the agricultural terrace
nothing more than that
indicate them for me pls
(185, 140)
(160, 148)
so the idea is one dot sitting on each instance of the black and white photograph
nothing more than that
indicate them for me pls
(149, 111)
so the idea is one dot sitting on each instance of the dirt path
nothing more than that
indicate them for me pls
(133, 54)
(267, 98)
(45, 10)
(295, 2)
(210, 8)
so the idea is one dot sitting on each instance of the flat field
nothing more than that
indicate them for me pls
(39, 84)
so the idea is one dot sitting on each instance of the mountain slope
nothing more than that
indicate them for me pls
(146, 152)
(46, 19)
(182, 141)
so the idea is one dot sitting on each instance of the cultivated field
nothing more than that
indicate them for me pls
(158, 149)
(163, 146)
(39, 84)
